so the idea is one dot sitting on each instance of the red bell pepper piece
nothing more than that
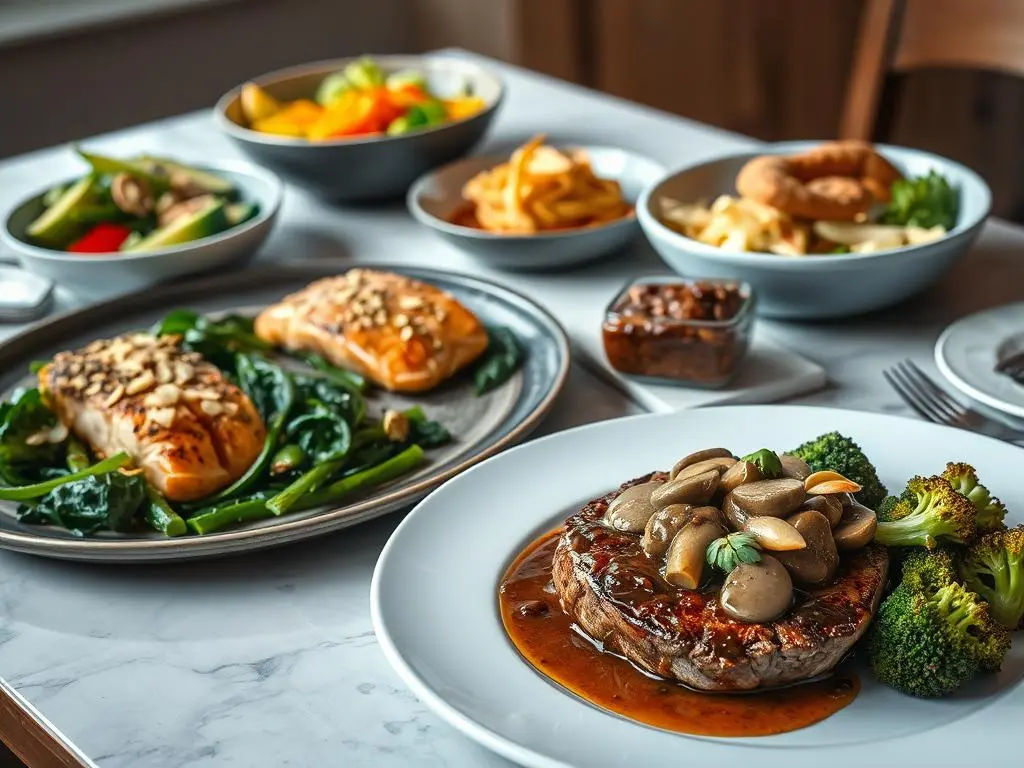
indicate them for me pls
(102, 238)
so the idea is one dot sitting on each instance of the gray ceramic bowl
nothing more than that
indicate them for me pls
(96, 277)
(433, 200)
(373, 167)
(816, 286)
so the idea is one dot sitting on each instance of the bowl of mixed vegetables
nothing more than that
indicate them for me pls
(128, 222)
(933, 214)
(363, 128)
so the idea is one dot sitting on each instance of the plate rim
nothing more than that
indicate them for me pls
(285, 531)
(958, 381)
(506, 746)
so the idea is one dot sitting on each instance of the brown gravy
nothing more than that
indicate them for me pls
(547, 639)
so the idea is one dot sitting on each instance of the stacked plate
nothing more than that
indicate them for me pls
(979, 353)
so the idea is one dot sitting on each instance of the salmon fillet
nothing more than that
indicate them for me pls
(188, 428)
(405, 335)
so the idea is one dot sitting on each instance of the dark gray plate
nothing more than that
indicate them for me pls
(482, 426)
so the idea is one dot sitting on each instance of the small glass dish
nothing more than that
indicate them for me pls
(668, 329)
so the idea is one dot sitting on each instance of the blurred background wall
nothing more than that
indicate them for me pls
(774, 69)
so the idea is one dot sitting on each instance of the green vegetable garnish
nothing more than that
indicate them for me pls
(925, 201)
(732, 550)
(109, 501)
(22, 418)
(502, 358)
(767, 462)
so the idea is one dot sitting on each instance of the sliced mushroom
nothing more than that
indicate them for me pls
(719, 465)
(830, 506)
(690, 490)
(856, 528)
(631, 509)
(739, 473)
(737, 517)
(817, 562)
(757, 592)
(684, 563)
(693, 458)
(774, 534)
(777, 498)
(662, 528)
(794, 467)
(131, 194)
(184, 208)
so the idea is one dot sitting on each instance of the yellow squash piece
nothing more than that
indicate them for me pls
(293, 119)
(257, 104)
(460, 109)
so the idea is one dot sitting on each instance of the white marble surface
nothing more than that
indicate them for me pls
(270, 660)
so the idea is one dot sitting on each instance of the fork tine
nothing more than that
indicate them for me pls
(910, 398)
(928, 401)
(924, 380)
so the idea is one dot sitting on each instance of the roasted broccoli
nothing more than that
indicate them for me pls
(836, 452)
(928, 512)
(927, 570)
(994, 568)
(930, 643)
(991, 510)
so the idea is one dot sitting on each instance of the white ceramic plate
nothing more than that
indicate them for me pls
(968, 350)
(435, 610)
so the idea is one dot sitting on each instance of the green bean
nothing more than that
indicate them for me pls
(161, 515)
(36, 490)
(218, 518)
(287, 458)
(349, 380)
(247, 510)
(77, 455)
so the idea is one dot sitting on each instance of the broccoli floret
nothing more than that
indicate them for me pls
(929, 644)
(928, 512)
(994, 568)
(836, 452)
(991, 510)
(928, 570)
(888, 508)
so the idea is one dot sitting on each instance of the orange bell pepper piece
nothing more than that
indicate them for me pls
(461, 108)
(408, 96)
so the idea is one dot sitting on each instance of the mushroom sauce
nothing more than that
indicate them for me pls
(549, 641)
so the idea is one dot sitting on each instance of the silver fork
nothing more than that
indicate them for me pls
(933, 403)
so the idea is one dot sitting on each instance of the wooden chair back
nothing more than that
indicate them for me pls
(899, 36)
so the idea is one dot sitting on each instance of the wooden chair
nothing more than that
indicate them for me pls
(899, 36)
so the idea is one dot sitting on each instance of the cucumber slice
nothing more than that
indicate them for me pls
(209, 182)
(239, 213)
(57, 226)
(109, 166)
(203, 223)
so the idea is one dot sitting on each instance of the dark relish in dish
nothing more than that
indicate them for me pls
(684, 331)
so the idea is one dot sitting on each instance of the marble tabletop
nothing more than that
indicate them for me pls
(270, 659)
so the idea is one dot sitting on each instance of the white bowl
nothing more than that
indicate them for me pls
(100, 276)
(436, 196)
(818, 286)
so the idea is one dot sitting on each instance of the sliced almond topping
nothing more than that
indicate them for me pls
(144, 381)
(230, 408)
(211, 408)
(116, 395)
(400, 321)
(141, 339)
(381, 317)
(131, 366)
(201, 394)
(410, 302)
(183, 372)
(94, 388)
(406, 333)
(77, 383)
(96, 346)
(162, 416)
(164, 373)
(396, 426)
(163, 396)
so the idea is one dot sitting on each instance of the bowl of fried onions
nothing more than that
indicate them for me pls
(538, 208)
(820, 230)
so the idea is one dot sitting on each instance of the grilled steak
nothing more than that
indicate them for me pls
(616, 593)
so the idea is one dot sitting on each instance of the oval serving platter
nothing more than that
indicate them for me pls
(480, 425)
